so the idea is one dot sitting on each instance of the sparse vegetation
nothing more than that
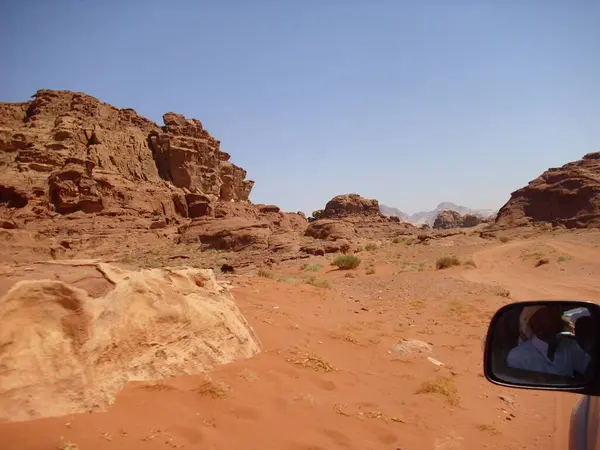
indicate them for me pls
(311, 267)
(444, 386)
(265, 273)
(564, 258)
(542, 262)
(67, 446)
(370, 270)
(314, 281)
(504, 239)
(314, 362)
(370, 247)
(488, 429)
(396, 240)
(214, 389)
(350, 275)
(500, 291)
(446, 262)
(470, 263)
(413, 267)
(346, 262)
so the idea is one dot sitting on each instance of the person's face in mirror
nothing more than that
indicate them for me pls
(547, 323)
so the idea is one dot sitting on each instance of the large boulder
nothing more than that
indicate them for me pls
(80, 330)
(447, 219)
(568, 196)
(329, 229)
(234, 233)
(347, 205)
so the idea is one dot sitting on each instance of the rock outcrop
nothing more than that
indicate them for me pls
(348, 205)
(567, 196)
(65, 152)
(449, 219)
(349, 219)
(102, 327)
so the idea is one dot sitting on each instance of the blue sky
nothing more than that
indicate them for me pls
(409, 102)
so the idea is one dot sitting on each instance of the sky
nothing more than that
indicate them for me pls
(409, 102)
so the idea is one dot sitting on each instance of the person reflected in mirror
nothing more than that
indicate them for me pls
(543, 347)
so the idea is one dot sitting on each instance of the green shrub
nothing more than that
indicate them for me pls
(346, 262)
(447, 261)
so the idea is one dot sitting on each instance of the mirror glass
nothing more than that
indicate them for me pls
(544, 344)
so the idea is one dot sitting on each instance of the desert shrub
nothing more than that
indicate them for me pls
(504, 239)
(470, 263)
(500, 291)
(314, 281)
(370, 247)
(311, 268)
(346, 262)
(396, 240)
(370, 270)
(447, 261)
(265, 273)
(444, 386)
(564, 258)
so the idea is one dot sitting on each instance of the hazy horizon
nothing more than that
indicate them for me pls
(410, 104)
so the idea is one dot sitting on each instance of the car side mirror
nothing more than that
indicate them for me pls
(549, 345)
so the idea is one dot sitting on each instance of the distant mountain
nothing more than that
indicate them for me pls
(428, 217)
(393, 212)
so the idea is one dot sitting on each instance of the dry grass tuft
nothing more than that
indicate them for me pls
(446, 262)
(370, 270)
(444, 386)
(346, 262)
(314, 281)
(311, 267)
(470, 263)
(564, 258)
(501, 292)
(491, 429)
(214, 389)
(67, 446)
(265, 273)
(314, 362)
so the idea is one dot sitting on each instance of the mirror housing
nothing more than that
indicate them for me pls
(558, 356)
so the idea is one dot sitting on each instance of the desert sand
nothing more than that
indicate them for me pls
(389, 357)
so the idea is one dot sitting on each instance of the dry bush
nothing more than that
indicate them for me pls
(470, 263)
(346, 262)
(265, 273)
(314, 362)
(447, 261)
(564, 258)
(444, 386)
(370, 270)
(314, 281)
(370, 247)
(500, 291)
(311, 268)
(504, 239)
(214, 389)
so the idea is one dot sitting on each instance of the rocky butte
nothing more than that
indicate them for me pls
(567, 196)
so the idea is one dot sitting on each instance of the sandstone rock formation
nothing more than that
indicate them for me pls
(448, 219)
(104, 326)
(349, 219)
(566, 196)
(347, 205)
(67, 152)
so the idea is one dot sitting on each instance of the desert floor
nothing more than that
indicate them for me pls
(330, 375)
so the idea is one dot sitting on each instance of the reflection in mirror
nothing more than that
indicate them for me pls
(550, 344)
